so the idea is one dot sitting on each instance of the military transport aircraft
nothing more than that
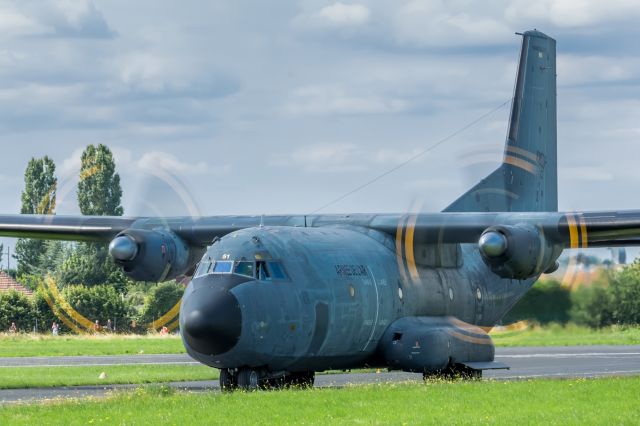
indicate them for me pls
(274, 299)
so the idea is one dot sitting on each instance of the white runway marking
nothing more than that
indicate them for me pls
(572, 355)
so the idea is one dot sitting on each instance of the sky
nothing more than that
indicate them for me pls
(238, 107)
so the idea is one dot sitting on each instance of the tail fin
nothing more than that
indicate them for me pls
(527, 179)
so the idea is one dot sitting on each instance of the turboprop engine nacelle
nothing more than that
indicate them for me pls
(151, 255)
(519, 251)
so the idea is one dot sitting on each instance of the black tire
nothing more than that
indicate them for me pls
(456, 372)
(227, 381)
(248, 379)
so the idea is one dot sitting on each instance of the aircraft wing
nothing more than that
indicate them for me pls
(72, 228)
(572, 230)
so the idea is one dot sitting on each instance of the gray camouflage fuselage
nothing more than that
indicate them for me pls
(345, 288)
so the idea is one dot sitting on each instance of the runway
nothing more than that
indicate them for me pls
(525, 362)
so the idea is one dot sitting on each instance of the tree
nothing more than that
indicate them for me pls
(546, 302)
(99, 191)
(43, 313)
(38, 197)
(592, 306)
(162, 298)
(625, 292)
(99, 194)
(100, 302)
(15, 307)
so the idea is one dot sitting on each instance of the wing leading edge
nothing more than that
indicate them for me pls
(570, 230)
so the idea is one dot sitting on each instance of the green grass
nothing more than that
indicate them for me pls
(597, 401)
(569, 335)
(30, 377)
(39, 345)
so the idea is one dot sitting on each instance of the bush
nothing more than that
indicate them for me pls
(546, 302)
(162, 298)
(43, 313)
(15, 307)
(592, 306)
(625, 293)
(100, 302)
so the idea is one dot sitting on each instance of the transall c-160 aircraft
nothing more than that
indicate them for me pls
(274, 299)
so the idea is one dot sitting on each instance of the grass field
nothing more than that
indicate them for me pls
(596, 401)
(40, 345)
(569, 335)
(30, 345)
(30, 377)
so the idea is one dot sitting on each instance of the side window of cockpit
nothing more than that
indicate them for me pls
(276, 270)
(262, 271)
(203, 268)
(244, 268)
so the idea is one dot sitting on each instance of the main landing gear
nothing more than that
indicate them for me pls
(249, 379)
(454, 372)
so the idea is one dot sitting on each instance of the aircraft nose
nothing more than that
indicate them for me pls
(211, 320)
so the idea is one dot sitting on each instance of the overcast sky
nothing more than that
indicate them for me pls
(238, 107)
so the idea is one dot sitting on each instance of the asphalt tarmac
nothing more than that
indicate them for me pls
(525, 362)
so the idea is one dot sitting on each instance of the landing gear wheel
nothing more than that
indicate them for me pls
(228, 381)
(454, 372)
(248, 379)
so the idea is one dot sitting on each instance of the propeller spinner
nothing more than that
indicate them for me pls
(123, 248)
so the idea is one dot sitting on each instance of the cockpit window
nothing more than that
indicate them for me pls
(277, 271)
(203, 268)
(222, 267)
(263, 272)
(244, 268)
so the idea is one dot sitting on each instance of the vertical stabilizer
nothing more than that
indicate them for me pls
(527, 179)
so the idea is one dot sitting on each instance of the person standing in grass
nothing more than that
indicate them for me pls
(96, 327)
(54, 328)
(13, 329)
(109, 326)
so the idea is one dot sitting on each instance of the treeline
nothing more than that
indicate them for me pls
(614, 299)
(99, 302)
(88, 280)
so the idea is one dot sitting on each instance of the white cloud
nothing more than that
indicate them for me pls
(60, 18)
(585, 173)
(152, 160)
(340, 18)
(450, 23)
(345, 14)
(575, 13)
(71, 165)
(334, 100)
(157, 159)
(323, 158)
(392, 157)
(574, 69)
(15, 23)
